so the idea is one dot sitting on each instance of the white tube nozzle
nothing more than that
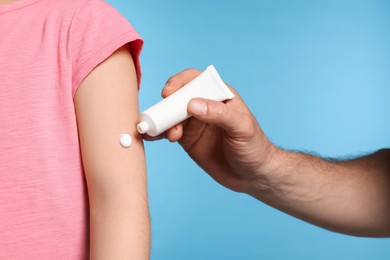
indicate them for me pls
(143, 127)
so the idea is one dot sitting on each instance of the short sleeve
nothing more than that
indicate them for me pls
(97, 31)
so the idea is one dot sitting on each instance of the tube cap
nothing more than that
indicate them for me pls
(143, 127)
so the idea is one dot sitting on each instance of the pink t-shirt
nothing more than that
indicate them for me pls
(47, 48)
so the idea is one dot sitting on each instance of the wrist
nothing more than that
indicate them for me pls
(268, 174)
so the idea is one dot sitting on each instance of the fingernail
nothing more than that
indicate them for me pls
(198, 107)
(164, 89)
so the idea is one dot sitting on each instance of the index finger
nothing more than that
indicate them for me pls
(178, 80)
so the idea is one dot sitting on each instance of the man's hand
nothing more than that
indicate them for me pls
(351, 197)
(222, 138)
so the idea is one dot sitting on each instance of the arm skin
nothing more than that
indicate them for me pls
(351, 197)
(4, 2)
(107, 106)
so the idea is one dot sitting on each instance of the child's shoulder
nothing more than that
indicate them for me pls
(80, 13)
(75, 6)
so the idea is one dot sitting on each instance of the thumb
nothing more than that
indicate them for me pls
(217, 113)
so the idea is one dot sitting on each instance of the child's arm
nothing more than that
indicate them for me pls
(107, 106)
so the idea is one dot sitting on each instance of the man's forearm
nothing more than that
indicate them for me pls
(351, 197)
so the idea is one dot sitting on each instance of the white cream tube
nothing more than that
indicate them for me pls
(173, 109)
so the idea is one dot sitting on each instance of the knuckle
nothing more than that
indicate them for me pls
(218, 110)
(191, 71)
(183, 77)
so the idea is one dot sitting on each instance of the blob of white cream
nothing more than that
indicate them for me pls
(125, 140)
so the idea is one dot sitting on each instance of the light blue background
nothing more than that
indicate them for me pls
(317, 76)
